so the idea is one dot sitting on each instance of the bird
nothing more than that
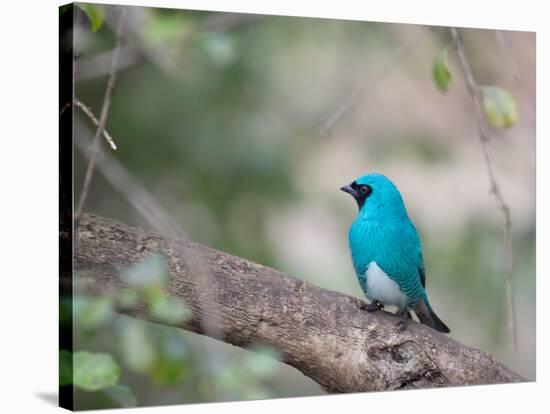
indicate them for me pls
(386, 252)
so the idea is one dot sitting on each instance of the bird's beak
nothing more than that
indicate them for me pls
(348, 189)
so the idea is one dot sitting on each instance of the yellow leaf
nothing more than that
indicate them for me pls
(499, 106)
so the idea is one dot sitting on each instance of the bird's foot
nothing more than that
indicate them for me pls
(403, 321)
(371, 307)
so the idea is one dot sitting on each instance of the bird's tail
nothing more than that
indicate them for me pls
(428, 317)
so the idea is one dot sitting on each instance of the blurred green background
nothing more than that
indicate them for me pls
(222, 119)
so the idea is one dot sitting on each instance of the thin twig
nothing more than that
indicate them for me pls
(93, 118)
(103, 117)
(353, 97)
(473, 89)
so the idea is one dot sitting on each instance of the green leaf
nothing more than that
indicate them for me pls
(94, 371)
(65, 367)
(135, 347)
(168, 311)
(165, 309)
(122, 395)
(499, 106)
(151, 272)
(95, 14)
(91, 313)
(440, 71)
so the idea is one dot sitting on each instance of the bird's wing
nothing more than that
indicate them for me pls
(401, 259)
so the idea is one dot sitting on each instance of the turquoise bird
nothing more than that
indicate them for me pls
(387, 252)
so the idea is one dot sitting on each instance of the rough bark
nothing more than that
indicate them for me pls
(322, 333)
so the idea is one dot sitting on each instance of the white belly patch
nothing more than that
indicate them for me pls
(381, 288)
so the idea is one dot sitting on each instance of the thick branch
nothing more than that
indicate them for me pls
(322, 333)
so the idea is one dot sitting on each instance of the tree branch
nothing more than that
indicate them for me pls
(473, 89)
(323, 334)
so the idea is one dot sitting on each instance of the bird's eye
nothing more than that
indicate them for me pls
(365, 190)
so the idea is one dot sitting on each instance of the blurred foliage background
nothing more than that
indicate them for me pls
(223, 119)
